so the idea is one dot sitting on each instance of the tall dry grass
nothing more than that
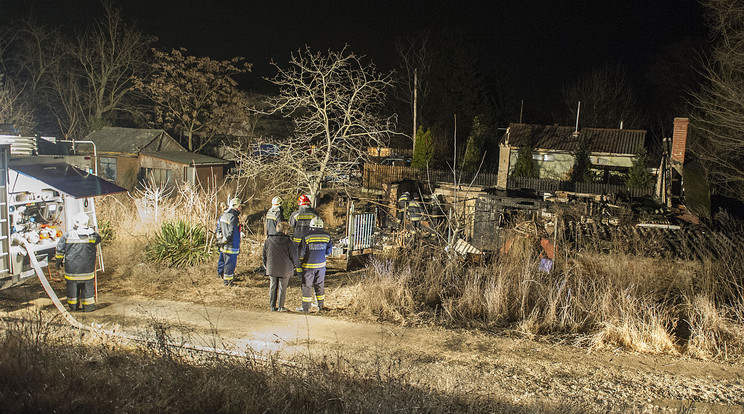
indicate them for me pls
(602, 300)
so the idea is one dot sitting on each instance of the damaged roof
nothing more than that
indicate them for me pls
(186, 158)
(563, 138)
(133, 140)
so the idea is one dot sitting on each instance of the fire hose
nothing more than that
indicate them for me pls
(98, 330)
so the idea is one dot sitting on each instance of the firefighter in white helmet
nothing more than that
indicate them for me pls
(228, 240)
(274, 216)
(314, 248)
(76, 252)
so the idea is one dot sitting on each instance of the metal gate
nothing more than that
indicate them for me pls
(360, 230)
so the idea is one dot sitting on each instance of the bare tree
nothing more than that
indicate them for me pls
(99, 83)
(718, 119)
(14, 110)
(334, 99)
(194, 96)
(607, 99)
(413, 77)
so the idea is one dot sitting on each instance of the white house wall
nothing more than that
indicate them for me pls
(560, 165)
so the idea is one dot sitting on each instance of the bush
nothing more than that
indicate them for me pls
(180, 244)
(106, 231)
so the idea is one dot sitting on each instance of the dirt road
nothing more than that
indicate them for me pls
(472, 362)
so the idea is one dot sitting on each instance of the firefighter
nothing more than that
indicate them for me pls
(281, 261)
(416, 212)
(76, 252)
(274, 216)
(228, 240)
(314, 248)
(403, 202)
(300, 219)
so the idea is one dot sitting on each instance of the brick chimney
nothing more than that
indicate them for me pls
(679, 139)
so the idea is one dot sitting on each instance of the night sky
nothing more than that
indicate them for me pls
(540, 45)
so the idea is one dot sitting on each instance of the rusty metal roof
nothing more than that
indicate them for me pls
(562, 138)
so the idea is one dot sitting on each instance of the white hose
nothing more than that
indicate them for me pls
(98, 330)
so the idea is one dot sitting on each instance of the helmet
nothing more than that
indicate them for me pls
(234, 202)
(317, 222)
(81, 219)
(303, 200)
(276, 201)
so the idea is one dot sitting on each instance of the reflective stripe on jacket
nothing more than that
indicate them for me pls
(228, 226)
(415, 210)
(300, 221)
(314, 248)
(274, 216)
(78, 249)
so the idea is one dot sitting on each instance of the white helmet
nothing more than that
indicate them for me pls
(81, 220)
(276, 201)
(316, 222)
(233, 203)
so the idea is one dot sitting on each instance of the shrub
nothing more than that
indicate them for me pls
(106, 231)
(179, 244)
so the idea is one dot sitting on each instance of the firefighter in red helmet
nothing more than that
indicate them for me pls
(300, 219)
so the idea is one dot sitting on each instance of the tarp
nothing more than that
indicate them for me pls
(68, 180)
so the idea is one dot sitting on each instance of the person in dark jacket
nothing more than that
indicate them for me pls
(416, 212)
(228, 240)
(300, 219)
(280, 260)
(314, 248)
(403, 202)
(274, 216)
(76, 251)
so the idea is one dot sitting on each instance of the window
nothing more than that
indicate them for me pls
(108, 168)
(543, 157)
(159, 176)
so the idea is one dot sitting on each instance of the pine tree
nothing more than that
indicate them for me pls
(638, 175)
(581, 172)
(525, 165)
(424, 150)
(474, 150)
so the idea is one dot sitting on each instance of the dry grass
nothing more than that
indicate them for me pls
(47, 369)
(621, 299)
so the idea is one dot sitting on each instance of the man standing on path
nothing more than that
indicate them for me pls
(228, 240)
(76, 251)
(300, 219)
(314, 248)
(280, 260)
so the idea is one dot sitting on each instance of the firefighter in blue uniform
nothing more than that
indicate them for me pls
(274, 216)
(416, 212)
(76, 251)
(228, 240)
(300, 219)
(314, 248)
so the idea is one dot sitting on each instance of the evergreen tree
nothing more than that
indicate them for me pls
(581, 172)
(424, 150)
(474, 150)
(638, 175)
(525, 165)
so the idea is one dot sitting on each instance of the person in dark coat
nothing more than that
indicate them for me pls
(314, 248)
(280, 259)
(76, 251)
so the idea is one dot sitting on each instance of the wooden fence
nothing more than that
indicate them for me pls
(541, 184)
(376, 175)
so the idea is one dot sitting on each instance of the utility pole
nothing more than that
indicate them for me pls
(415, 106)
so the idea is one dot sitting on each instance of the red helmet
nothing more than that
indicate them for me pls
(303, 200)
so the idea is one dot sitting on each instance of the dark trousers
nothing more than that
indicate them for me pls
(226, 266)
(81, 295)
(277, 291)
(313, 280)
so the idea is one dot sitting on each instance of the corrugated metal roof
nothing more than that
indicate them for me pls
(68, 179)
(186, 158)
(124, 140)
(562, 138)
